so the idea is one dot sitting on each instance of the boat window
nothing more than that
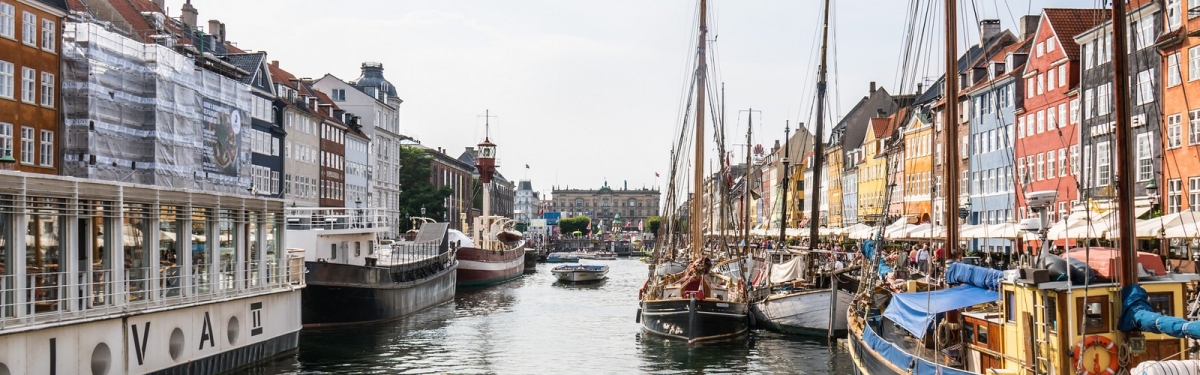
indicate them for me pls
(135, 233)
(1095, 314)
(1051, 311)
(1010, 304)
(357, 248)
(969, 334)
(332, 251)
(228, 258)
(981, 336)
(275, 260)
(168, 253)
(42, 253)
(255, 255)
(370, 247)
(1162, 303)
(201, 253)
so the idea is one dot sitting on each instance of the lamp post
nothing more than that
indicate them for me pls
(1152, 192)
(7, 163)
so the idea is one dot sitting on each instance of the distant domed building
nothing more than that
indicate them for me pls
(372, 82)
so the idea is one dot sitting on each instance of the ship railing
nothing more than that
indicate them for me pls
(35, 297)
(306, 218)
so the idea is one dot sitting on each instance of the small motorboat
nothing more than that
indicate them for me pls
(579, 273)
(562, 258)
(605, 255)
(584, 254)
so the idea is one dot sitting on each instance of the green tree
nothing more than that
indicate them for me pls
(416, 190)
(653, 223)
(573, 224)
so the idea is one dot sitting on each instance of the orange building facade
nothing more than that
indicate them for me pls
(30, 39)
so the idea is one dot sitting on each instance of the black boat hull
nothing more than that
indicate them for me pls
(339, 294)
(695, 321)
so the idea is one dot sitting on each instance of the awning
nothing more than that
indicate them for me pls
(915, 311)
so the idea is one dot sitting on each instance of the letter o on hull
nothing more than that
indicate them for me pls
(101, 359)
(175, 346)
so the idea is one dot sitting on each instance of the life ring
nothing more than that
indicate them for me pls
(1097, 341)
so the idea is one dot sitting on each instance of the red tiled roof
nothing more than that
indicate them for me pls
(880, 125)
(77, 6)
(281, 76)
(1068, 23)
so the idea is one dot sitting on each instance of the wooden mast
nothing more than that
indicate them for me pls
(1123, 134)
(698, 173)
(950, 121)
(814, 219)
(786, 173)
(746, 191)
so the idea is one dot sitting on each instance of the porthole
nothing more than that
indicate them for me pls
(232, 330)
(101, 359)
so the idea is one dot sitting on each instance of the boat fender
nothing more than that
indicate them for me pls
(638, 318)
(1097, 341)
(752, 320)
(321, 260)
(943, 330)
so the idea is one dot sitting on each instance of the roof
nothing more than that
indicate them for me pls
(252, 63)
(60, 4)
(1068, 23)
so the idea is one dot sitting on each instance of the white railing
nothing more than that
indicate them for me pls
(51, 297)
(301, 218)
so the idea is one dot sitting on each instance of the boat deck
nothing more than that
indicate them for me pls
(902, 339)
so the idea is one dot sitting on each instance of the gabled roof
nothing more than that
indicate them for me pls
(1069, 23)
(252, 63)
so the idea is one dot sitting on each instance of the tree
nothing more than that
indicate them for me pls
(416, 190)
(573, 224)
(653, 223)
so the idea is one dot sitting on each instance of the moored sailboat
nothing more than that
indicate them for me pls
(705, 302)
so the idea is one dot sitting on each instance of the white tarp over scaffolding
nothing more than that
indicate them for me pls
(143, 113)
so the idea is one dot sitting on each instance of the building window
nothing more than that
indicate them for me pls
(1074, 160)
(8, 20)
(1103, 103)
(339, 95)
(1050, 164)
(48, 33)
(1041, 167)
(26, 145)
(1173, 76)
(6, 79)
(46, 151)
(1088, 103)
(1174, 195)
(1062, 75)
(1145, 87)
(1075, 111)
(1050, 79)
(6, 139)
(1145, 163)
(1103, 164)
(1041, 122)
(29, 29)
(1062, 162)
(1193, 63)
(28, 85)
(1174, 14)
(1194, 193)
(47, 90)
(1175, 130)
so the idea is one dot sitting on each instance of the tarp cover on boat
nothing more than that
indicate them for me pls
(899, 358)
(915, 311)
(979, 277)
(786, 272)
(1138, 315)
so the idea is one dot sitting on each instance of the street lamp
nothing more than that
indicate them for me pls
(422, 211)
(7, 163)
(1152, 190)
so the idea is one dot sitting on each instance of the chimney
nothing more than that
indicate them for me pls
(1029, 25)
(189, 15)
(987, 30)
(161, 4)
(214, 29)
(275, 63)
(872, 87)
(920, 86)
(879, 112)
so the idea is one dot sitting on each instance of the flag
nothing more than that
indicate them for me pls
(641, 225)
(655, 174)
(526, 166)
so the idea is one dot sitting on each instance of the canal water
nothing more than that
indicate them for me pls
(535, 325)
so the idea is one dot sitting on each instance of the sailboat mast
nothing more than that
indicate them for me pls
(1123, 135)
(950, 122)
(746, 191)
(787, 153)
(814, 219)
(698, 173)
(724, 168)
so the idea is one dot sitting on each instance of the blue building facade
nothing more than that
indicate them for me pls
(991, 173)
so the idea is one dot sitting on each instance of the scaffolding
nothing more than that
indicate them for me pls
(143, 113)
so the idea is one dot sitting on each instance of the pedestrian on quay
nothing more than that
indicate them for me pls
(923, 259)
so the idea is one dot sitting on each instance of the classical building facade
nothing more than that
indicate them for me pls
(527, 204)
(31, 36)
(630, 207)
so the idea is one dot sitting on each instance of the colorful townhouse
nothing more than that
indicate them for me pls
(30, 74)
(1180, 181)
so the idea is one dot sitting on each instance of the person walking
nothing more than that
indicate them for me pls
(923, 259)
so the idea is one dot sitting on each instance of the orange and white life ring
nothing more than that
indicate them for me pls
(1097, 341)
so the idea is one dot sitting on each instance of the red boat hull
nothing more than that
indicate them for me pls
(478, 267)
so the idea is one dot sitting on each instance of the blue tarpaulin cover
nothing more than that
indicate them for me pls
(1138, 315)
(899, 358)
(979, 277)
(915, 311)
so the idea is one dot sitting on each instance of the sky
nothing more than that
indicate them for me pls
(585, 92)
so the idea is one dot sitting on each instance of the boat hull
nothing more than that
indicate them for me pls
(339, 294)
(576, 276)
(803, 313)
(695, 321)
(478, 267)
(866, 360)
